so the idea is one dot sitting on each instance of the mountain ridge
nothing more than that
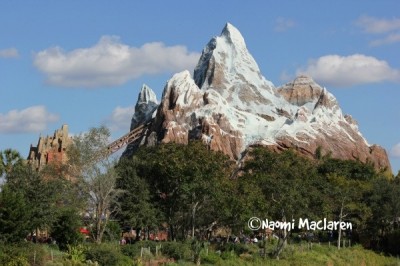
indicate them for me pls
(230, 106)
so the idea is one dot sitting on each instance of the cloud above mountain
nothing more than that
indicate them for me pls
(111, 63)
(347, 71)
(119, 117)
(395, 152)
(387, 29)
(283, 24)
(31, 119)
(378, 25)
(9, 53)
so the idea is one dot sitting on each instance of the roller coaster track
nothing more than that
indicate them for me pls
(128, 138)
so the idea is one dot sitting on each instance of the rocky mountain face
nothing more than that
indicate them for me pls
(49, 149)
(230, 106)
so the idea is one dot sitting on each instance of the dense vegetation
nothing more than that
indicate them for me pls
(190, 192)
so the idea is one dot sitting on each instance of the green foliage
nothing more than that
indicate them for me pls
(22, 254)
(106, 255)
(184, 181)
(176, 250)
(136, 208)
(112, 231)
(65, 230)
(133, 251)
(10, 161)
(12, 256)
(350, 169)
(41, 195)
(14, 215)
(229, 255)
(210, 258)
(76, 253)
(286, 185)
(94, 171)
(236, 248)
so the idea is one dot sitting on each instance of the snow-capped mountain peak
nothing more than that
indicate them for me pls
(231, 106)
(233, 35)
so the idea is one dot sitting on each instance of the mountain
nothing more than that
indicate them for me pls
(230, 106)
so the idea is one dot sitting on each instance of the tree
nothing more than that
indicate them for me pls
(9, 160)
(385, 206)
(347, 200)
(184, 180)
(90, 165)
(288, 186)
(14, 215)
(65, 228)
(136, 207)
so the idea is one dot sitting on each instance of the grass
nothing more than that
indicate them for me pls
(295, 254)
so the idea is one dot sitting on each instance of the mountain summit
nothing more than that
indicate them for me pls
(230, 106)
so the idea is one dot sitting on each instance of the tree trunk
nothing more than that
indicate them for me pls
(340, 229)
(193, 217)
(281, 243)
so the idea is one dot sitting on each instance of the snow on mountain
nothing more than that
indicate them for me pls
(230, 106)
(145, 106)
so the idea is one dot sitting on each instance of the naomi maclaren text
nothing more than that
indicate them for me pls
(255, 223)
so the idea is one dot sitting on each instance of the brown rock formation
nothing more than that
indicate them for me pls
(50, 149)
(230, 106)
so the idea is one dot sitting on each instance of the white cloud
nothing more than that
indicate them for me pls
(376, 25)
(345, 71)
(395, 152)
(391, 38)
(283, 24)
(111, 63)
(120, 118)
(9, 53)
(31, 119)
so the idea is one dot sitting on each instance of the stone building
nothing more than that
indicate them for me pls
(50, 149)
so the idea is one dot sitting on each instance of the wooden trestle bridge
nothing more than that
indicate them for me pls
(128, 138)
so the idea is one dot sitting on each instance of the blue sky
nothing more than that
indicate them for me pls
(82, 63)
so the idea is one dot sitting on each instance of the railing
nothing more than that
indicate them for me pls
(126, 139)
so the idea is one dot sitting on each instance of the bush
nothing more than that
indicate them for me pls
(228, 255)
(176, 250)
(107, 255)
(18, 260)
(237, 248)
(112, 232)
(22, 254)
(210, 258)
(76, 253)
(133, 251)
(65, 229)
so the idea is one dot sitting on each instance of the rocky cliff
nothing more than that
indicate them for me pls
(230, 106)
(50, 149)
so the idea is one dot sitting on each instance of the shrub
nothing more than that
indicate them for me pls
(112, 231)
(107, 255)
(210, 258)
(65, 229)
(228, 255)
(176, 250)
(133, 251)
(237, 248)
(76, 253)
(22, 254)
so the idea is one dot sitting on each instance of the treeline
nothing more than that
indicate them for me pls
(193, 190)
(190, 191)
